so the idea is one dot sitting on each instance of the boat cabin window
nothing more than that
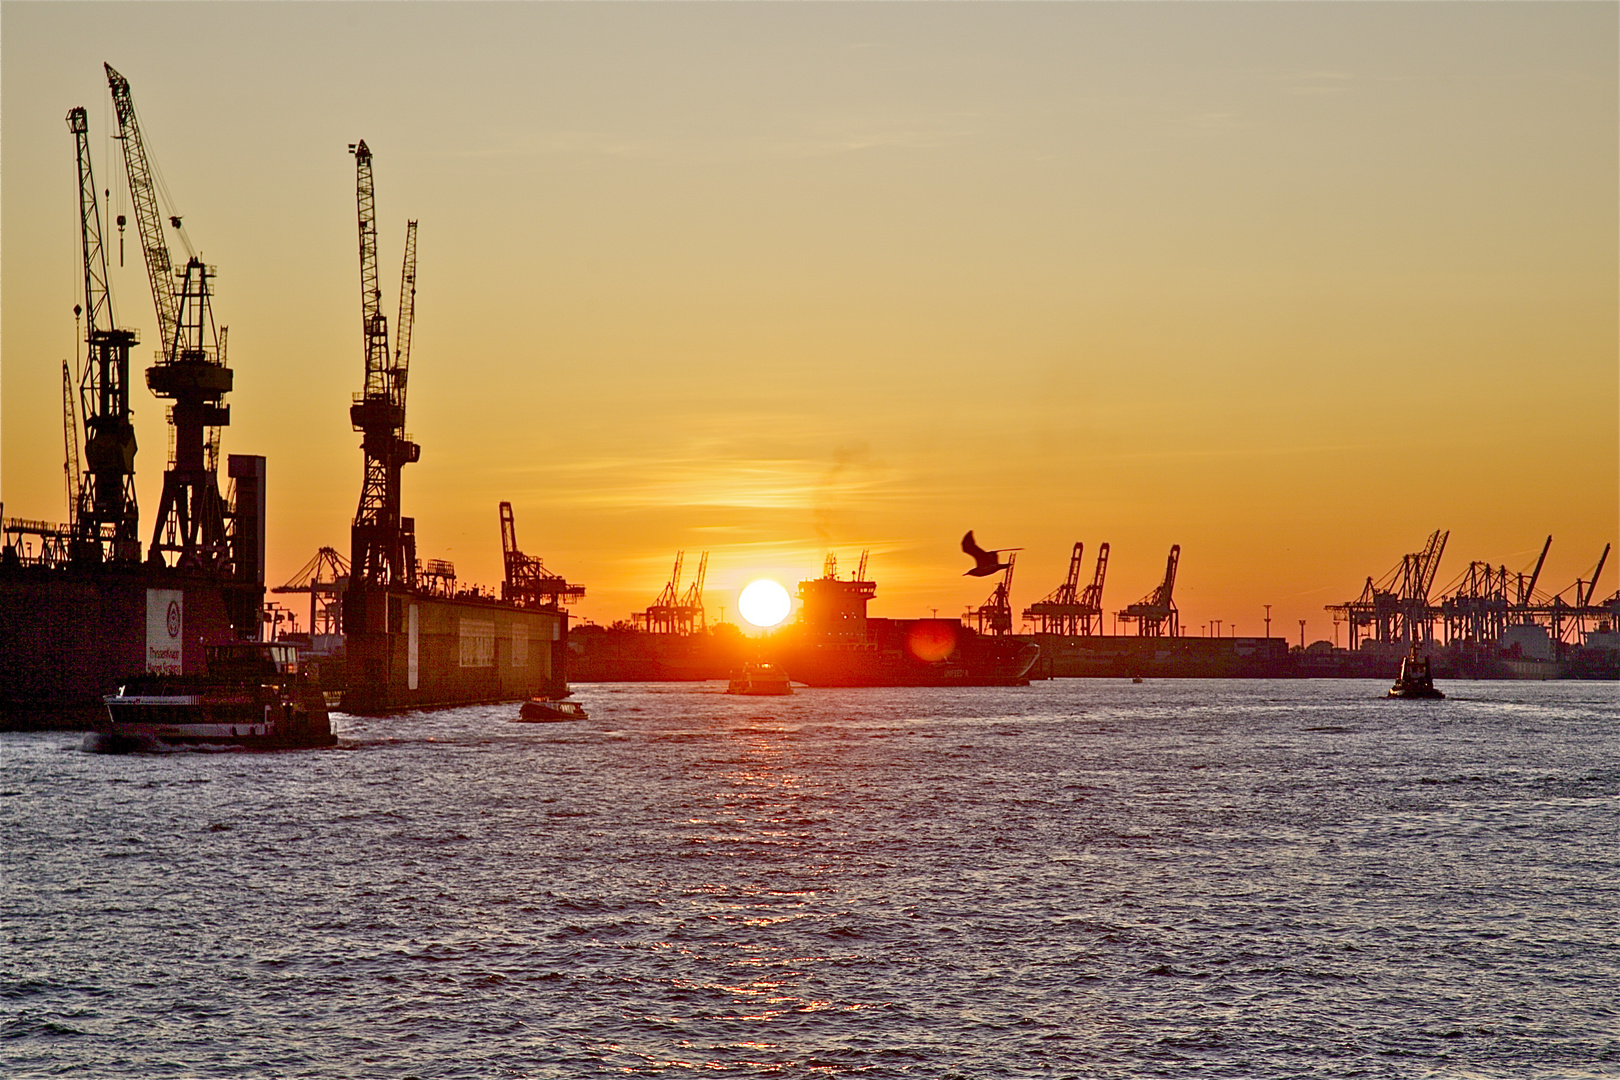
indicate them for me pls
(248, 658)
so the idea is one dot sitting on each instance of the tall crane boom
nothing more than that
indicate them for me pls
(70, 450)
(191, 519)
(97, 300)
(143, 194)
(382, 542)
(373, 324)
(399, 376)
(104, 495)
(1091, 598)
(528, 582)
(1527, 588)
(995, 615)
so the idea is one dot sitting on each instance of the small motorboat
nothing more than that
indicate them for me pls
(1415, 681)
(759, 679)
(548, 711)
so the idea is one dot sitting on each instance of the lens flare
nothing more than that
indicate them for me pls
(932, 640)
(764, 603)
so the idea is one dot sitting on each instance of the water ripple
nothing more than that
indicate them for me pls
(1084, 878)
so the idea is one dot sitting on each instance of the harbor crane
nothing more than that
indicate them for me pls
(994, 616)
(191, 523)
(528, 583)
(1068, 610)
(1395, 609)
(382, 543)
(70, 450)
(1480, 604)
(1155, 614)
(325, 578)
(104, 494)
(692, 602)
(1527, 589)
(672, 612)
(1091, 598)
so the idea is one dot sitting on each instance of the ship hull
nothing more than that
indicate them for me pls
(911, 652)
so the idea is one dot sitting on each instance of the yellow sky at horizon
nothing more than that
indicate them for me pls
(1290, 285)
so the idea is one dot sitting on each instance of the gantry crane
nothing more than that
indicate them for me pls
(325, 578)
(382, 543)
(191, 521)
(104, 496)
(1484, 601)
(1091, 609)
(674, 612)
(1155, 614)
(1527, 587)
(660, 614)
(528, 583)
(690, 610)
(1396, 608)
(1068, 609)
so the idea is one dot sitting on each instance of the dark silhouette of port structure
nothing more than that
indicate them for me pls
(985, 562)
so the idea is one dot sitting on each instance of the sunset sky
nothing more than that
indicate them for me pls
(1291, 285)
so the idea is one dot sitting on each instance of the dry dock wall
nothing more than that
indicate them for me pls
(409, 650)
(69, 635)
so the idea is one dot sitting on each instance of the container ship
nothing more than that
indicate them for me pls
(835, 643)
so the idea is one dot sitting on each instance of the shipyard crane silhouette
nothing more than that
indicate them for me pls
(1155, 614)
(994, 616)
(528, 583)
(70, 450)
(1483, 602)
(103, 496)
(325, 578)
(673, 612)
(985, 562)
(193, 374)
(1395, 609)
(691, 605)
(1069, 610)
(382, 544)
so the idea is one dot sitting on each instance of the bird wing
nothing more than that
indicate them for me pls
(970, 548)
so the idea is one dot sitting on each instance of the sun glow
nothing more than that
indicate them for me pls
(764, 602)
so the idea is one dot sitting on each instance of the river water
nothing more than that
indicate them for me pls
(1085, 878)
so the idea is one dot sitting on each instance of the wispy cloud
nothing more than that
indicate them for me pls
(805, 136)
(696, 480)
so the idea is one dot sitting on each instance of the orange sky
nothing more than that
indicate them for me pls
(1290, 285)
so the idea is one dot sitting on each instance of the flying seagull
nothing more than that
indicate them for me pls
(985, 562)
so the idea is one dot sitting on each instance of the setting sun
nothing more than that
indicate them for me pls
(764, 602)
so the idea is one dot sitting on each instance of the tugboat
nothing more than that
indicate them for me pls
(1415, 680)
(759, 680)
(542, 710)
(252, 695)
